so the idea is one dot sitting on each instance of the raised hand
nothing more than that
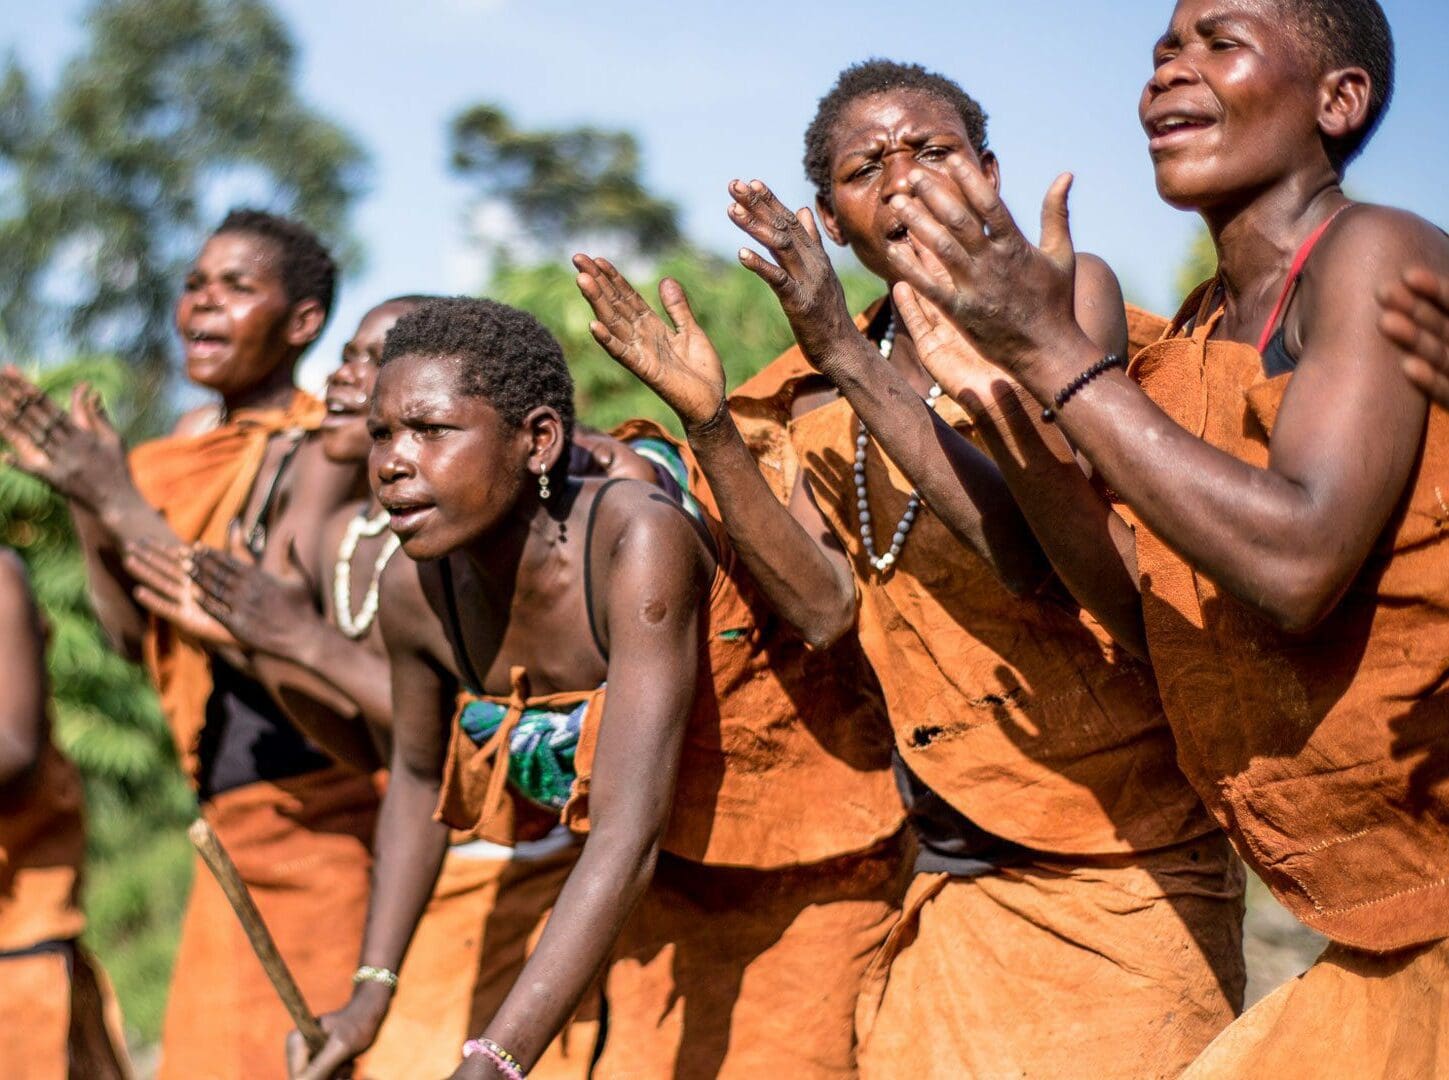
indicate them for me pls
(1416, 318)
(678, 363)
(165, 589)
(802, 277)
(965, 254)
(262, 611)
(79, 454)
(962, 373)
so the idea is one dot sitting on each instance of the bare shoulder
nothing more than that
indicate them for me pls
(643, 526)
(1372, 239)
(198, 421)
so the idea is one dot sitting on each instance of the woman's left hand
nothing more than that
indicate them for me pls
(964, 252)
(1416, 319)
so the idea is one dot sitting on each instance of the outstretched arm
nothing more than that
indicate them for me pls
(80, 455)
(1286, 539)
(1093, 551)
(409, 845)
(960, 484)
(326, 681)
(658, 580)
(789, 551)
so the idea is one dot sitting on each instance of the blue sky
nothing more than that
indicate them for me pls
(717, 91)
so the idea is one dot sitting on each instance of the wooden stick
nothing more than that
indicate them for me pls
(224, 870)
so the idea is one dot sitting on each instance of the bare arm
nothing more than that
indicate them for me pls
(22, 673)
(960, 484)
(80, 455)
(658, 579)
(798, 567)
(334, 687)
(409, 845)
(1286, 539)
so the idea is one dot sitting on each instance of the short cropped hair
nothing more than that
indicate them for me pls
(878, 76)
(308, 270)
(1350, 33)
(508, 357)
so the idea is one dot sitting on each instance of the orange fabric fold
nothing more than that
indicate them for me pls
(736, 972)
(1352, 1016)
(1320, 753)
(776, 724)
(1122, 966)
(302, 846)
(200, 484)
(1018, 711)
(59, 1019)
(482, 922)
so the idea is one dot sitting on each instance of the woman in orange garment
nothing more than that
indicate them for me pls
(1061, 847)
(57, 1018)
(490, 901)
(1285, 484)
(296, 822)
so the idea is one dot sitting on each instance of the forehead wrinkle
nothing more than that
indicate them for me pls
(911, 131)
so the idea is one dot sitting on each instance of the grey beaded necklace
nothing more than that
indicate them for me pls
(882, 563)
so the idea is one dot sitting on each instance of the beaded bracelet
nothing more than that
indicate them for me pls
(506, 1063)
(368, 973)
(1066, 393)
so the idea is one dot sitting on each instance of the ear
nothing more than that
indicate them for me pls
(991, 167)
(825, 214)
(1343, 104)
(304, 322)
(544, 430)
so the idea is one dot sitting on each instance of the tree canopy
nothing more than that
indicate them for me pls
(109, 181)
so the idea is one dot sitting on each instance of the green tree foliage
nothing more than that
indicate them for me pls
(561, 186)
(736, 308)
(108, 721)
(580, 189)
(1200, 263)
(106, 180)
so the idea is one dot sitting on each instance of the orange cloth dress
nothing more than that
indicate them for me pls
(302, 844)
(1023, 716)
(781, 868)
(1322, 754)
(58, 1017)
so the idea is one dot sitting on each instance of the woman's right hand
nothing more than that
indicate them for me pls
(350, 1031)
(679, 364)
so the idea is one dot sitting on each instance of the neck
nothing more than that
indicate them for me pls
(273, 392)
(1257, 237)
(904, 357)
(523, 542)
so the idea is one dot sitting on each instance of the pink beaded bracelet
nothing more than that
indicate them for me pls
(507, 1064)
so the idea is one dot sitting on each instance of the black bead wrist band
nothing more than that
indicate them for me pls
(1066, 393)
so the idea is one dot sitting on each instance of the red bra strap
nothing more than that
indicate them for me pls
(1299, 261)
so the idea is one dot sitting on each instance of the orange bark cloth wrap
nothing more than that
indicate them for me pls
(1019, 712)
(483, 919)
(1352, 1016)
(200, 483)
(57, 1015)
(739, 972)
(302, 845)
(1115, 966)
(784, 830)
(1322, 754)
(774, 724)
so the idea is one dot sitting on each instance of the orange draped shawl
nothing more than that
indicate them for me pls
(200, 483)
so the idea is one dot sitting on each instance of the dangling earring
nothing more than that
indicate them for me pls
(543, 486)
